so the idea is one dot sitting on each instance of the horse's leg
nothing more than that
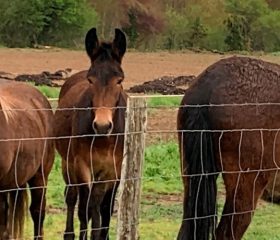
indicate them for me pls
(71, 195)
(242, 193)
(38, 189)
(223, 230)
(83, 210)
(4, 216)
(107, 208)
(98, 194)
(38, 203)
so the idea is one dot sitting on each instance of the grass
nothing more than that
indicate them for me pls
(160, 217)
(155, 102)
(49, 92)
(162, 174)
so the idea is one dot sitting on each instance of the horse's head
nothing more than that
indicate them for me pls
(105, 76)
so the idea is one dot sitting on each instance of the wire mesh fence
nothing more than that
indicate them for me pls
(161, 207)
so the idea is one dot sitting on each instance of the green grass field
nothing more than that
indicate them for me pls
(160, 216)
(161, 207)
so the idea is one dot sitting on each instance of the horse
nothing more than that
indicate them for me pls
(228, 122)
(27, 155)
(89, 124)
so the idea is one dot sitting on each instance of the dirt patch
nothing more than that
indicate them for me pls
(167, 85)
(161, 125)
(138, 67)
(164, 199)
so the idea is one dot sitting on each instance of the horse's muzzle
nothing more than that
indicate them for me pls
(102, 129)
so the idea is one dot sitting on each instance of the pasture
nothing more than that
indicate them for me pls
(161, 207)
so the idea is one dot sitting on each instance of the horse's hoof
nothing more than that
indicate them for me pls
(69, 236)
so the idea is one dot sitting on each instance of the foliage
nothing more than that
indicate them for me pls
(131, 30)
(31, 22)
(182, 30)
(176, 30)
(238, 33)
(243, 25)
(252, 25)
(21, 22)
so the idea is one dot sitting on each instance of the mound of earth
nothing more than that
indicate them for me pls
(45, 78)
(166, 85)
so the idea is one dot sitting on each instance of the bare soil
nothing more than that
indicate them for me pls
(138, 68)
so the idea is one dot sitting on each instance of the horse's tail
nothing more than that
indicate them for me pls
(198, 161)
(18, 208)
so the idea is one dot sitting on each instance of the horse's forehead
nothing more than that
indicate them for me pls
(104, 73)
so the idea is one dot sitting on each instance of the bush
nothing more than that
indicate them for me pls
(266, 32)
(183, 30)
(252, 25)
(25, 23)
(21, 22)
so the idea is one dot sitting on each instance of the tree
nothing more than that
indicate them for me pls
(139, 18)
(20, 22)
(30, 22)
(242, 16)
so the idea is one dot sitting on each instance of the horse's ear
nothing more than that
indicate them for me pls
(91, 42)
(119, 43)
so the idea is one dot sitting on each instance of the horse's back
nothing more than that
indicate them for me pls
(245, 94)
(233, 81)
(28, 103)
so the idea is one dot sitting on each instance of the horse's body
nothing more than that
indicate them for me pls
(23, 162)
(93, 163)
(245, 147)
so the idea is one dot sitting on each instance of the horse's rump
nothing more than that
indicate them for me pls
(240, 117)
(25, 115)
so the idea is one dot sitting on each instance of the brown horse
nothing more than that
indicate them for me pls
(27, 155)
(92, 110)
(229, 122)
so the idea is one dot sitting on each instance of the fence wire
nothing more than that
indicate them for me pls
(150, 133)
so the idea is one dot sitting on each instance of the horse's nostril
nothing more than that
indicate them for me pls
(110, 126)
(102, 128)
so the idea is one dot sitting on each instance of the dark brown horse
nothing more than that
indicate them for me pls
(27, 155)
(237, 135)
(92, 163)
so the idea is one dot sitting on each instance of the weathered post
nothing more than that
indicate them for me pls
(130, 185)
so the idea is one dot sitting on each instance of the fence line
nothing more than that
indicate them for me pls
(130, 182)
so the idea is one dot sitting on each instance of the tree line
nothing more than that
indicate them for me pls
(223, 25)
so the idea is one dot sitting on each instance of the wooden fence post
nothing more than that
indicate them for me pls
(130, 185)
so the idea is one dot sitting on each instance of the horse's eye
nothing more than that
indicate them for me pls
(120, 81)
(91, 79)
